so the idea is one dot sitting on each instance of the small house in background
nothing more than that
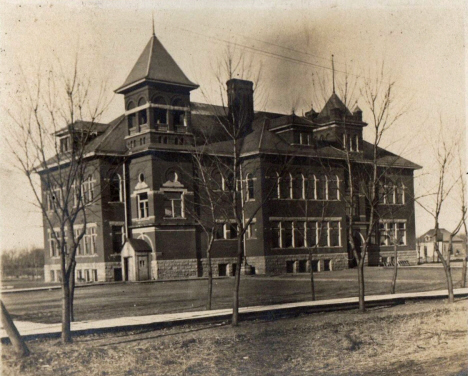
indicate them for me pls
(426, 249)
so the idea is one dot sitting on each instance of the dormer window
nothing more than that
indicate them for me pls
(65, 144)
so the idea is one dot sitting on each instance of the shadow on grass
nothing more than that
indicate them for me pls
(160, 335)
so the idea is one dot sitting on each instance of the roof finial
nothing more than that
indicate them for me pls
(333, 74)
(152, 15)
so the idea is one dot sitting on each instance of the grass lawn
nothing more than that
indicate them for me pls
(136, 299)
(428, 338)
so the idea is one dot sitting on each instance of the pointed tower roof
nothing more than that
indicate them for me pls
(333, 103)
(156, 65)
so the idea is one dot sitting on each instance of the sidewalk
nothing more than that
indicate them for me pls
(34, 330)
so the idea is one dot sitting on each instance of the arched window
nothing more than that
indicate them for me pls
(284, 186)
(160, 114)
(311, 187)
(298, 186)
(142, 116)
(321, 192)
(115, 188)
(278, 185)
(217, 180)
(178, 116)
(130, 117)
(333, 187)
(250, 187)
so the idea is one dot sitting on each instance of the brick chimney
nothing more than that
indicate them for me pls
(240, 103)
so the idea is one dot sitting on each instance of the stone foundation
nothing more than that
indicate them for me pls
(279, 264)
(411, 256)
(101, 268)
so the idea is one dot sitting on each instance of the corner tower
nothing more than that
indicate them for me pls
(157, 99)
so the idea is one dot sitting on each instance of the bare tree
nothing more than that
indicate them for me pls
(50, 138)
(378, 93)
(445, 152)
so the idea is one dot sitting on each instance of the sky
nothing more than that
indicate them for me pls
(422, 44)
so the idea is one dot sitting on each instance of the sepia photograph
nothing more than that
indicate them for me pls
(233, 187)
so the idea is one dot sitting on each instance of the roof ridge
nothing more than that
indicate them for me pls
(150, 56)
(104, 137)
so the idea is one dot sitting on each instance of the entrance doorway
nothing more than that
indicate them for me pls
(117, 274)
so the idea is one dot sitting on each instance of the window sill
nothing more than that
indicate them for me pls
(217, 240)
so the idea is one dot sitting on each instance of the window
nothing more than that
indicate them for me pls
(311, 233)
(88, 190)
(284, 187)
(178, 116)
(288, 235)
(392, 233)
(52, 276)
(333, 188)
(250, 232)
(54, 199)
(334, 234)
(54, 250)
(115, 188)
(250, 187)
(400, 193)
(321, 188)
(311, 187)
(298, 186)
(276, 234)
(90, 241)
(232, 231)
(117, 238)
(218, 181)
(299, 232)
(173, 205)
(95, 276)
(64, 144)
(356, 142)
(390, 196)
(142, 205)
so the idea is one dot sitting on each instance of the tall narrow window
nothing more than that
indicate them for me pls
(250, 187)
(333, 188)
(275, 234)
(115, 188)
(142, 205)
(284, 186)
(287, 234)
(311, 187)
(334, 237)
(299, 231)
(400, 196)
(321, 188)
(173, 205)
(298, 186)
(311, 233)
(390, 193)
(117, 239)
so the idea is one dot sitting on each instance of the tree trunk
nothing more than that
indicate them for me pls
(235, 305)
(448, 276)
(362, 304)
(72, 291)
(312, 283)
(66, 328)
(15, 338)
(395, 269)
(210, 275)
(463, 281)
